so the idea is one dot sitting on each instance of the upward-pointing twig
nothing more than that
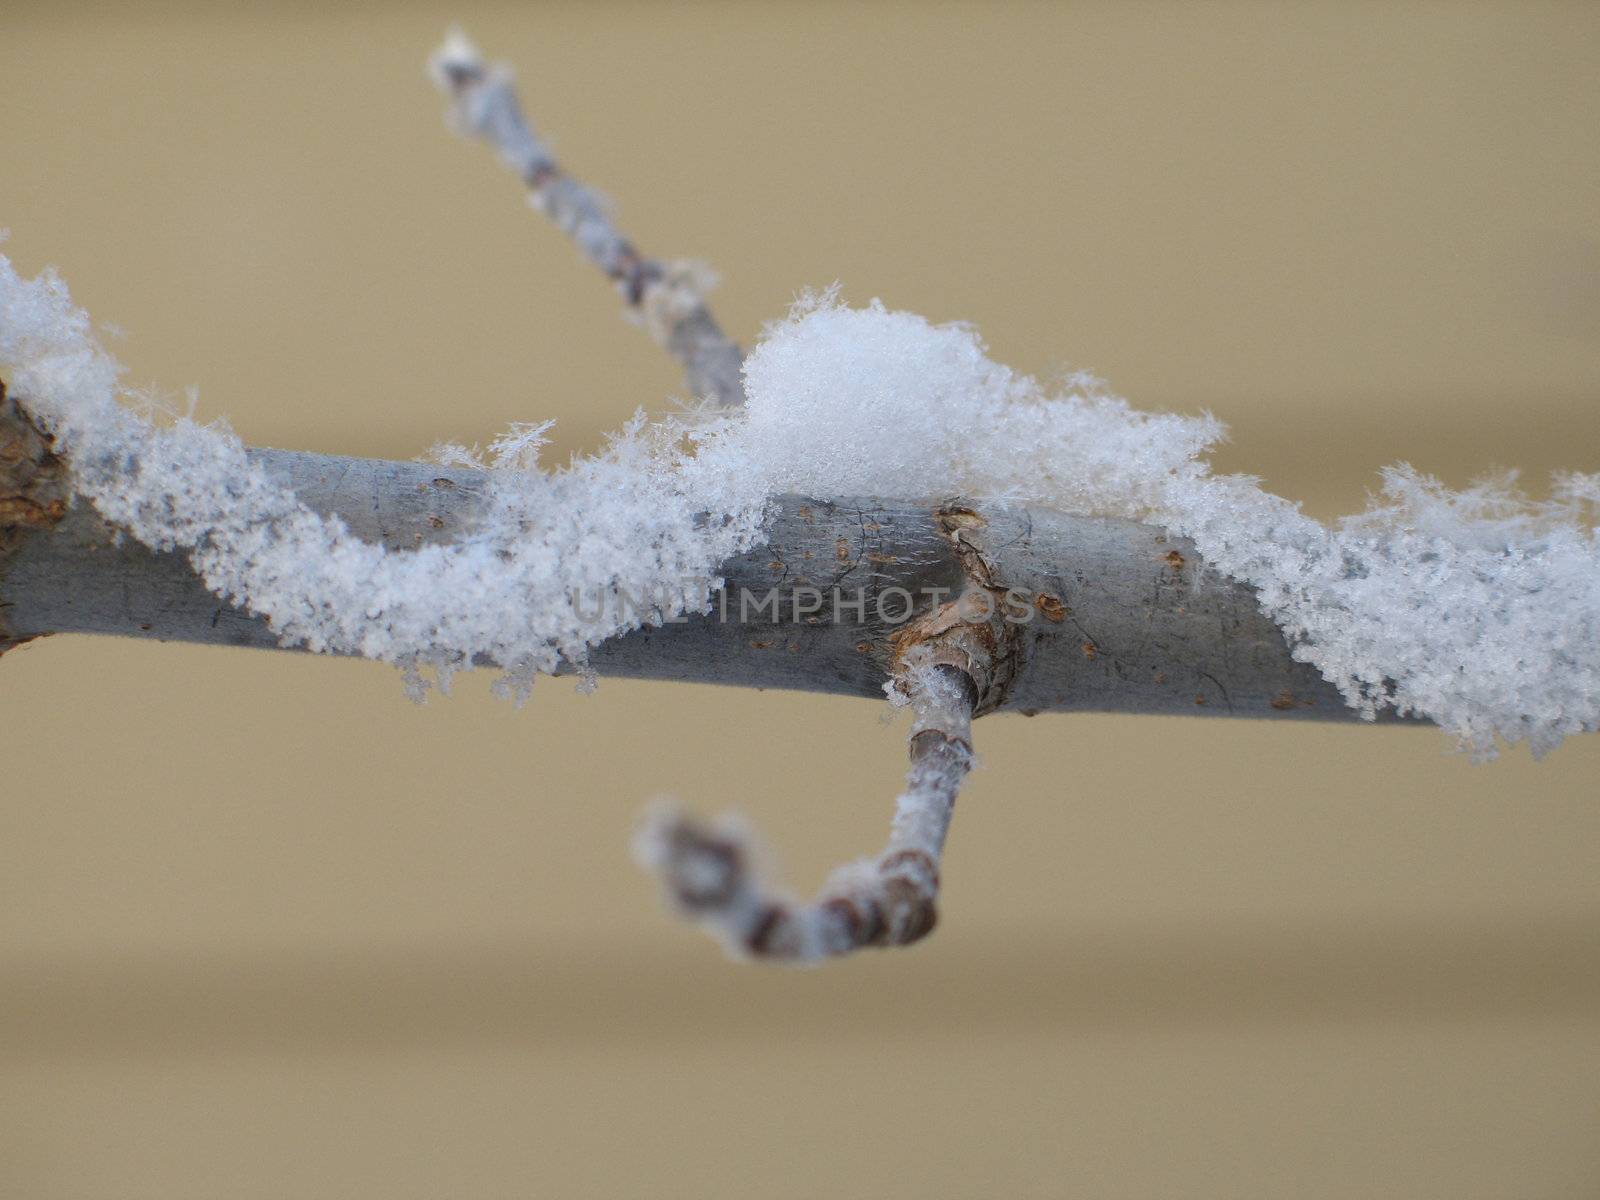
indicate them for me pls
(669, 298)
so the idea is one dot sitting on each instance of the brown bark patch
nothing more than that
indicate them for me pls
(35, 487)
(1050, 607)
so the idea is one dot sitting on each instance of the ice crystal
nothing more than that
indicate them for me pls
(511, 592)
(1478, 609)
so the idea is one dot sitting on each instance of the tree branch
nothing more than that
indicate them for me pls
(963, 611)
(1120, 616)
(669, 298)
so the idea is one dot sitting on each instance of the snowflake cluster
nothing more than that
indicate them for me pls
(1478, 609)
(630, 519)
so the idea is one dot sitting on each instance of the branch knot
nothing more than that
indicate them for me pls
(35, 486)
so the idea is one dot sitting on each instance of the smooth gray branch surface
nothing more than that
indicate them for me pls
(1123, 618)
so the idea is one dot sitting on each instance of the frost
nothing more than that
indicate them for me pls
(1479, 609)
(518, 591)
(878, 403)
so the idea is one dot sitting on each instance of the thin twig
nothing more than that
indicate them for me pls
(668, 298)
(887, 901)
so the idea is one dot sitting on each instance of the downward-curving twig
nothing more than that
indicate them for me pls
(887, 901)
(669, 298)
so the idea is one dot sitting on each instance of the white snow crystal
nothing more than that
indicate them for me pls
(1478, 609)
(519, 590)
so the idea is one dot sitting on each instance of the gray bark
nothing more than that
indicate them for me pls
(1124, 618)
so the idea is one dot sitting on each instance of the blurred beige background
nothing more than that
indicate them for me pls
(267, 930)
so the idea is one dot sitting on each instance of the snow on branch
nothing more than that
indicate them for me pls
(669, 298)
(1478, 609)
(513, 591)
